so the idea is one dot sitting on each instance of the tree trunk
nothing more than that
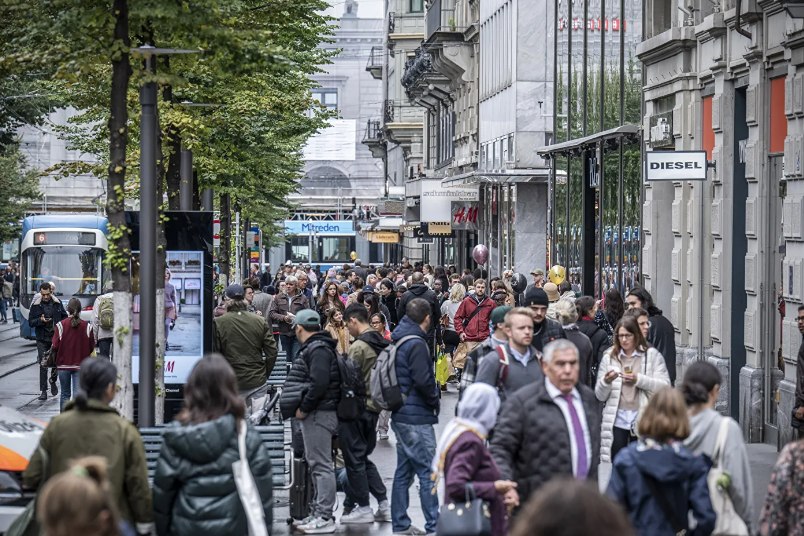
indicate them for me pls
(119, 254)
(225, 250)
(246, 260)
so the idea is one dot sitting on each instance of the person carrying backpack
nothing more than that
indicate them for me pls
(413, 421)
(356, 437)
(311, 394)
(103, 320)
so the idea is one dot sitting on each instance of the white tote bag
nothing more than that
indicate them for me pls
(729, 523)
(247, 488)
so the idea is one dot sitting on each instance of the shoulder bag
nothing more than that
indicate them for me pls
(471, 316)
(729, 523)
(471, 518)
(49, 356)
(247, 487)
(26, 523)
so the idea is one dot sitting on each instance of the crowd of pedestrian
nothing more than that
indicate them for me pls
(553, 386)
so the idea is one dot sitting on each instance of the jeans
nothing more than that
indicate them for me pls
(343, 485)
(415, 450)
(105, 347)
(291, 345)
(317, 430)
(357, 440)
(41, 348)
(382, 422)
(3, 312)
(69, 386)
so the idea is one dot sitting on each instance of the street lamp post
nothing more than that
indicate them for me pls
(148, 239)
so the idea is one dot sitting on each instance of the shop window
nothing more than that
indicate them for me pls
(778, 121)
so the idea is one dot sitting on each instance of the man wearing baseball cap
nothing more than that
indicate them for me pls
(242, 338)
(538, 277)
(310, 395)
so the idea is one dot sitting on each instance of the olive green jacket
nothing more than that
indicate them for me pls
(241, 338)
(98, 431)
(366, 356)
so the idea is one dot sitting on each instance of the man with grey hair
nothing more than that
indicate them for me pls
(549, 428)
(102, 322)
(284, 309)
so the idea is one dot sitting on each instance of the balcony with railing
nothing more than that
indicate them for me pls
(374, 138)
(376, 62)
(402, 121)
(442, 18)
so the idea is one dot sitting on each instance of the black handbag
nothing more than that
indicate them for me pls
(471, 518)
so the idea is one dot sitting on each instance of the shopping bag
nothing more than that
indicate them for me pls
(442, 369)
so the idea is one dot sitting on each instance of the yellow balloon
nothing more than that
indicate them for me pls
(557, 274)
(353, 255)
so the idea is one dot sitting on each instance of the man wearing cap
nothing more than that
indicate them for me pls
(242, 338)
(498, 337)
(311, 393)
(544, 329)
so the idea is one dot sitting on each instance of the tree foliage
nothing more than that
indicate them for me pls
(19, 186)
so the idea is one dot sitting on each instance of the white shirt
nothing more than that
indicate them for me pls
(561, 402)
(626, 418)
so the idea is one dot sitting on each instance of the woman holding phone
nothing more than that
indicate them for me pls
(629, 373)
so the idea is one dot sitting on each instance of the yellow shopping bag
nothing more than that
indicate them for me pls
(442, 369)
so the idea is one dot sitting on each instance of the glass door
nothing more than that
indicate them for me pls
(773, 362)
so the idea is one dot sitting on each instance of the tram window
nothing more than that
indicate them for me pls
(300, 249)
(335, 248)
(75, 271)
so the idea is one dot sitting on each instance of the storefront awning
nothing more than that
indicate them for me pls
(512, 176)
(631, 132)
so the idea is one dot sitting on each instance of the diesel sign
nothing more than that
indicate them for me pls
(675, 166)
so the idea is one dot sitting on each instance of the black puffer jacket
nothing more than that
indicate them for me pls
(600, 342)
(546, 333)
(314, 381)
(194, 487)
(531, 442)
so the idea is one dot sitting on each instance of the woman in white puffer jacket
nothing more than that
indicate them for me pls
(629, 373)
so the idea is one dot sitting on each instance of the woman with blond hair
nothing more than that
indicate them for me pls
(657, 479)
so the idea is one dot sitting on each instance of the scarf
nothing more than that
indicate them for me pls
(477, 413)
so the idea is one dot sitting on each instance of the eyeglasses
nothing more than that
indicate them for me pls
(625, 336)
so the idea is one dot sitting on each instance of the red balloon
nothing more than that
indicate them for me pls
(480, 254)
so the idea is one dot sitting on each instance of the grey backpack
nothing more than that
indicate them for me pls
(385, 391)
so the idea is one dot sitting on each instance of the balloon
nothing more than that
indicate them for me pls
(353, 255)
(519, 283)
(480, 254)
(557, 274)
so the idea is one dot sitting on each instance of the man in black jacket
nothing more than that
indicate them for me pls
(549, 428)
(46, 311)
(314, 379)
(544, 330)
(661, 334)
(419, 290)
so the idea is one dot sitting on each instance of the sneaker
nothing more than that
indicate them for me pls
(382, 436)
(43, 396)
(318, 525)
(383, 514)
(347, 510)
(54, 389)
(299, 522)
(412, 530)
(361, 514)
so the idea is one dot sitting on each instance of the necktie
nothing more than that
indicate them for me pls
(583, 465)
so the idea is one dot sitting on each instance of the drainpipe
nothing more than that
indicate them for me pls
(738, 24)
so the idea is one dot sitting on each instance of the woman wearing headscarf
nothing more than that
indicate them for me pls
(462, 457)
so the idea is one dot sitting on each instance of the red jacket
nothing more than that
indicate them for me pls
(74, 344)
(477, 330)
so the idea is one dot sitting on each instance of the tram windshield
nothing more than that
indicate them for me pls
(76, 271)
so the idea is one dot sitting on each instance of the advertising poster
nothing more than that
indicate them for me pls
(184, 302)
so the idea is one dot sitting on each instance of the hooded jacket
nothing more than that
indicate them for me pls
(477, 329)
(419, 290)
(52, 309)
(704, 428)
(364, 352)
(314, 380)
(415, 375)
(194, 487)
(681, 477)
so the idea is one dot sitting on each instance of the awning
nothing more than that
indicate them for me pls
(511, 176)
(626, 131)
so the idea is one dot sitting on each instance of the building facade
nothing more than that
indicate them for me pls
(726, 77)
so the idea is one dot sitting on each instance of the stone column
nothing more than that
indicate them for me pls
(530, 228)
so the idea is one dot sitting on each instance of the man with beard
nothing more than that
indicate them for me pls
(544, 329)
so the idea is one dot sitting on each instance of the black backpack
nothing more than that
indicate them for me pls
(353, 389)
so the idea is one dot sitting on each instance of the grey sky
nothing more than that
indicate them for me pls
(367, 9)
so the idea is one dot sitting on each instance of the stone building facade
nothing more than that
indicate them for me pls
(727, 79)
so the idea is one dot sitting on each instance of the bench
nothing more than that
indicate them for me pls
(273, 438)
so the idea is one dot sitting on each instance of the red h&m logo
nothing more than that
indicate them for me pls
(169, 366)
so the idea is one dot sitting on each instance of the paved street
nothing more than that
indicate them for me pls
(19, 389)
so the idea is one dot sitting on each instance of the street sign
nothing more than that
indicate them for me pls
(675, 166)
(421, 240)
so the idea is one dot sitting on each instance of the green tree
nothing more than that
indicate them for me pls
(19, 186)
